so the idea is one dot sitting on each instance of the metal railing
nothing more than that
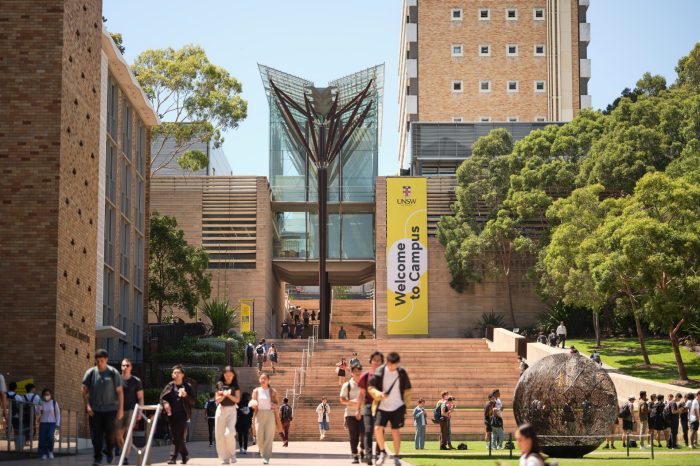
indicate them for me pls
(301, 371)
(144, 453)
(21, 432)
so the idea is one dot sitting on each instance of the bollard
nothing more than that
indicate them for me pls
(490, 437)
(628, 445)
(510, 443)
(652, 447)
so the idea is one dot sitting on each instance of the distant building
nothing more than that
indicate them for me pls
(162, 154)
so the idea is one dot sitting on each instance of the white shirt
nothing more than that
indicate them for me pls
(48, 414)
(394, 401)
(532, 460)
(561, 330)
(264, 401)
(499, 404)
(33, 398)
(693, 410)
(350, 390)
(320, 411)
(3, 387)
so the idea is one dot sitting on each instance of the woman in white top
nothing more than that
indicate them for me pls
(227, 396)
(50, 419)
(265, 403)
(348, 398)
(529, 445)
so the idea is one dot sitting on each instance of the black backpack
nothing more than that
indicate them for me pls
(437, 414)
(249, 350)
(625, 411)
(210, 408)
(14, 407)
(496, 421)
(653, 411)
(286, 413)
(668, 414)
(260, 349)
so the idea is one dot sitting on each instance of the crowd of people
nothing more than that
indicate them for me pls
(297, 321)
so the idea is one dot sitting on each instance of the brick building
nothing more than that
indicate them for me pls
(479, 61)
(52, 121)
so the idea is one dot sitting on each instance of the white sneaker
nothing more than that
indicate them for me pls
(382, 457)
(224, 461)
(44, 457)
(234, 460)
(50, 455)
(266, 461)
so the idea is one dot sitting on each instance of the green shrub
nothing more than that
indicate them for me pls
(578, 320)
(490, 319)
(200, 375)
(221, 316)
(151, 396)
(202, 398)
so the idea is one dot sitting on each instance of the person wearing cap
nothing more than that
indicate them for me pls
(103, 396)
(627, 415)
(643, 410)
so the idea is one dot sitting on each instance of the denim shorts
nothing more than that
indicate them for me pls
(323, 425)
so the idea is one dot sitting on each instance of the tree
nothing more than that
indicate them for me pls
(177, 276)
(688, 69)
(118, 41)
(221, 315)
(196, 100)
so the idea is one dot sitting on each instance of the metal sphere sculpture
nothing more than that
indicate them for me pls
(571, 402)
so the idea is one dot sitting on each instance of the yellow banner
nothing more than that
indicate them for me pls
(407, 255)
(246, 315)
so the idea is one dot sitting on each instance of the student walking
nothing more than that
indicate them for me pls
(260, 355)
(286, 416)
(265, 404)
(420, 423)
(227, 396)
(50, 419)
(272, 356)
(364, 403)
(391, 389)
(340, 369)
(177, 398)
(323, 412)
(103, 396)
(285, 329)
(244, 422)
(133, 394)
(529, 445)
(249, 353)
(210, 411)
(299, 330)
(19, 410)
(561, 334)
(353, 422)
(306, 316)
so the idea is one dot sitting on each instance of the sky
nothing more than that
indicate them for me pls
(321, 40)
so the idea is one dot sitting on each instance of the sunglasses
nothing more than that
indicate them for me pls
(126, 365)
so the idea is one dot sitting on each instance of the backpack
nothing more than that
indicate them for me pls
(496, 421)
(210, 408)
(668, 414)
(260, 349)
(625, 411)
(437, 414)
(249, 350)
(14, 407)
(653, 412)
(286, 413)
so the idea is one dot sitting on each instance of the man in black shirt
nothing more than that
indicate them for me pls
(177, 398)
(673, 419)
(133, 393)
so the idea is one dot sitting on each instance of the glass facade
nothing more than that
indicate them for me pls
(351, 176)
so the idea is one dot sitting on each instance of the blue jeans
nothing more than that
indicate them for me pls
(46, 431)
(497, 438)
(420, 438)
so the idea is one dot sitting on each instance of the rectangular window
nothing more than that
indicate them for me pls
(125, 249)
(457, 86)
(539, 50)
(484, 14)
(140, 205)
(485, 119)
(140, 146)
(538, 14)
(110, 235)
(540, 119)
(138, 262)
(112, 107)
(512, 50)
(108, 297)
(111, 168)
(123, 304)
(539, 86)
(126, 129)
(456, 119)
(456, 14)
(484, 50)
(512, 86)
(511, 14)
(512, 119)
(484, 86)
(457, 50)
(126, 188)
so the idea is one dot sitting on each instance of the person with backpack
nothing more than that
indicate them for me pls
(286, 416)
(419, 421)
(285, 329)
(20, 426)
(32, 412)
(552, 338)
(299, 330)
(627, 415)
(442, 414)
(643, 409)
(323, 412)
(529, 445)
(354, 360)
(595, 357)
(364, 404)
(390, 388)
(50, 419)
(656, 412)
(210, 411)
(522, 365)
(249, 353)
(496, 429)
(671, 416)
(260, 355)
(244, 422)
(103, 396)
(227, 397)
(353, 422)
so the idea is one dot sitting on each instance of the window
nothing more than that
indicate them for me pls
(138, 262)
(108, 297)
(539, 86)
(538, 14)
(112, 106)
(485, 119)
(139, 205)
(457, 86)
(126, 129)
(511, 14)
(140, 146)
(111, 178)
(125, 249)
(456, 14)
(540, 119)
(484, 50)
(513, 119)
(126, 187)
(484, 14)
(484, 86)
(512, 50)
(512, 86)
(456, 119)
(457, 50)
(110, 235)
(539, 50)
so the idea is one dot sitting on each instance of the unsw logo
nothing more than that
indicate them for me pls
(406, 191)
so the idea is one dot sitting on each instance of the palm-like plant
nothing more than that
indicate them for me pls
(221, 315)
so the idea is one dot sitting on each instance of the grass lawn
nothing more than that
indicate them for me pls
(624, 354)
(477, 455)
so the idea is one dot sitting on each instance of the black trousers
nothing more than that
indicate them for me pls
(673, 436)
(684, 426)
(102, 427)
(178, 430)
(250, 360)
(444, 432)
(211, 423)
(242, 435)
(356, 430)
(562, 339)
(368, 421)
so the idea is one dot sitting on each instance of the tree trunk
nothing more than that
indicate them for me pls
(642, 345)
(673, 333)
(510, 299)
(596, 328)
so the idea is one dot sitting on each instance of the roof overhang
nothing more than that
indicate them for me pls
(108, 331)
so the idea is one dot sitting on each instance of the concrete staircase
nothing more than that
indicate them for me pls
(355, 315)
(465, 367)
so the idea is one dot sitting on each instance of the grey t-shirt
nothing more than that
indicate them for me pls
(102, 387)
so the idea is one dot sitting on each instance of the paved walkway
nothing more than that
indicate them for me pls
(298, 454)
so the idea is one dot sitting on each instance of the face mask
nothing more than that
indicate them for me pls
(47, 397)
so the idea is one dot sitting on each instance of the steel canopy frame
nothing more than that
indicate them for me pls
(321, 121)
